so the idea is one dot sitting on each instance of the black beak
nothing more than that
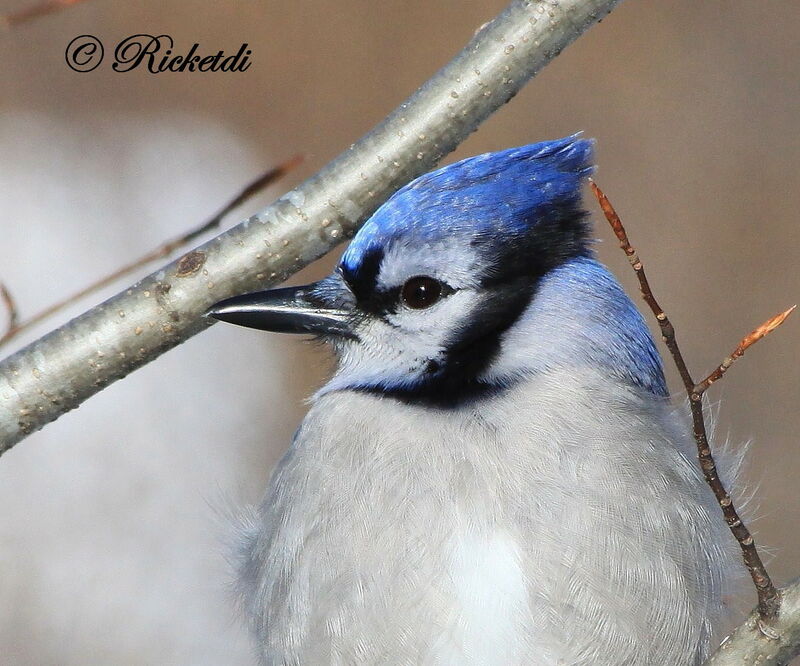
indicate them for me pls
(307, 309)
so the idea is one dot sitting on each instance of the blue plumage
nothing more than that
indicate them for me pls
(505, 195)
(611, 333)
(514, 217)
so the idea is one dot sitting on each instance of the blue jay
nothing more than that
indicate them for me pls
(494, 473)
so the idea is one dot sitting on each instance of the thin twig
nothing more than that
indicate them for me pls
(35, 11)
(765, 329)
(160, 252)
(13, 313)
(769, 600)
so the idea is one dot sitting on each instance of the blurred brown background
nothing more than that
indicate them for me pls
(112, 521)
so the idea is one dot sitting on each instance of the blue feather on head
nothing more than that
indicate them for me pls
(527, 197)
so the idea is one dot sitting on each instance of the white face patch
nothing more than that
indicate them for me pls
(404, 346)
(437, 321)
(399, 348)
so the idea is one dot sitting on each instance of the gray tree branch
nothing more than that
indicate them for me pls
(59, 371)
(757, 644)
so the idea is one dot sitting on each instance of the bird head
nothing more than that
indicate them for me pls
(465, 280)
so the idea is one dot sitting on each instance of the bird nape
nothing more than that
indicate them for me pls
(494, 473)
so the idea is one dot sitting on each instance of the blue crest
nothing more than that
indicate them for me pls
(507, 196)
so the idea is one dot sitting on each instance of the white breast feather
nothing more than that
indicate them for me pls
(491, 598)
(564, 523)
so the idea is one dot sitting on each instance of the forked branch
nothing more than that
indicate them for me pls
(766, 328)
(13, 314)
(769, 598)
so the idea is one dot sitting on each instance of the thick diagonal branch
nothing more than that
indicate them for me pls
(64, 368)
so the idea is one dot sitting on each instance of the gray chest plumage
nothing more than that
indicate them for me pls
(561, 522)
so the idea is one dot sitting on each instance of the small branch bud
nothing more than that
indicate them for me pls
(748, 341)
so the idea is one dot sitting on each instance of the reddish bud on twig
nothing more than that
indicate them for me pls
(747, 341)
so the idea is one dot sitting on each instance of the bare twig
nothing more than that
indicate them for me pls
(35, 11)
(13, 313)
(160, 252)
(769, 599)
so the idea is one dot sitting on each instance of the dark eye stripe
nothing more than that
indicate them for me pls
(453, 378)
(363, 280)
(363, 283)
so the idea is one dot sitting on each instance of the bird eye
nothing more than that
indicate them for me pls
(422, 292)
